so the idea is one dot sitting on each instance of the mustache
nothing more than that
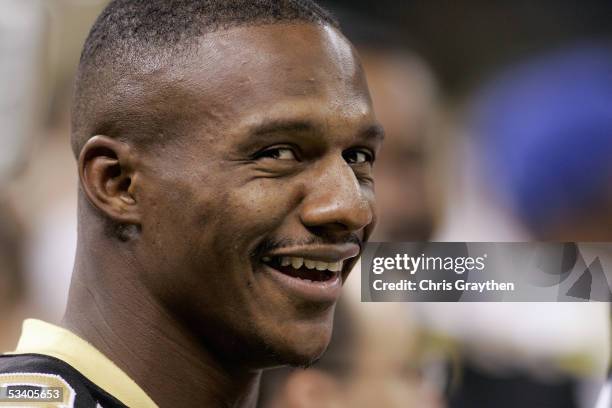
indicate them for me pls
(268, 245)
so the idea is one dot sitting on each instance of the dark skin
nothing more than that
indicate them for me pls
(274, 159)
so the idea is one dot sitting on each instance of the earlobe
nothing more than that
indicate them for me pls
(106, 173)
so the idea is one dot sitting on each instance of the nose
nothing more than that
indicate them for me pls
(336, 202)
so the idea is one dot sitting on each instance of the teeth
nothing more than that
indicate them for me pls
(297, 263)
(266, 259)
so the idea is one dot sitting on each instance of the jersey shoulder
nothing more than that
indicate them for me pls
(28, 375)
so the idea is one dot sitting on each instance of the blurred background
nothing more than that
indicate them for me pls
(499, 128)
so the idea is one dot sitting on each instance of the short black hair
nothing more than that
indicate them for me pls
(131, 35)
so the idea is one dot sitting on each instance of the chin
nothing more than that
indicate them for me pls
(300, 357)
(301, 347)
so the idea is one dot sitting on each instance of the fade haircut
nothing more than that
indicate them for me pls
(133, 39)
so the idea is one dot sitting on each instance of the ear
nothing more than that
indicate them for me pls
(106, 172)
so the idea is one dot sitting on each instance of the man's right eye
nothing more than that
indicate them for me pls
(277, 153)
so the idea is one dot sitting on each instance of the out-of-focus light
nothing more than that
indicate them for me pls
(21, 33)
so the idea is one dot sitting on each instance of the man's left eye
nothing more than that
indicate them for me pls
(358, 157)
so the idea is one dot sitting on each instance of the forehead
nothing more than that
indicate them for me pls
(276, 70)
(292, 57)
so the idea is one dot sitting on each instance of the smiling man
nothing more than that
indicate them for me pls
(225, 153)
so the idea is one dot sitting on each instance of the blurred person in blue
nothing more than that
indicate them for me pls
(547, 141)
(544, 130)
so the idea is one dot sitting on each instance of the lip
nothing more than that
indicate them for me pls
(311, 291)
(324, 253)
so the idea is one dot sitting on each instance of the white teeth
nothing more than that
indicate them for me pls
(297, 263)
(309, 264)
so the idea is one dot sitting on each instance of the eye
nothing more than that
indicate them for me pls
(277, 153)
(358, 156)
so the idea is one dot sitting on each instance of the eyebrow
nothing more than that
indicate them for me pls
(285, 126)
(373, 132)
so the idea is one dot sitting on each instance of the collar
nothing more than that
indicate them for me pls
(39, 337)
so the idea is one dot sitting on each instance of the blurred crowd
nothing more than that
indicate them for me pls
(498, 125)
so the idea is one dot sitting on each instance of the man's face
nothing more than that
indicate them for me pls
(253, 218)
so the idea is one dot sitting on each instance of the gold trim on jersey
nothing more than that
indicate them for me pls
(39, 337)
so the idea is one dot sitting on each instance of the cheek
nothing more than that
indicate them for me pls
(191, 221)
(258, 207)
(175, 207)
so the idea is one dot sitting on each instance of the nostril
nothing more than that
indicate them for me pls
(331, 232)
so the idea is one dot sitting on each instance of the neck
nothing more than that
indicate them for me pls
(117, 316)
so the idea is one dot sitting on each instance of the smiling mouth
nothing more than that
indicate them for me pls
(304, 268)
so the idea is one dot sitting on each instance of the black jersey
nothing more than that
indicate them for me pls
(35, 378)
(54, 368)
